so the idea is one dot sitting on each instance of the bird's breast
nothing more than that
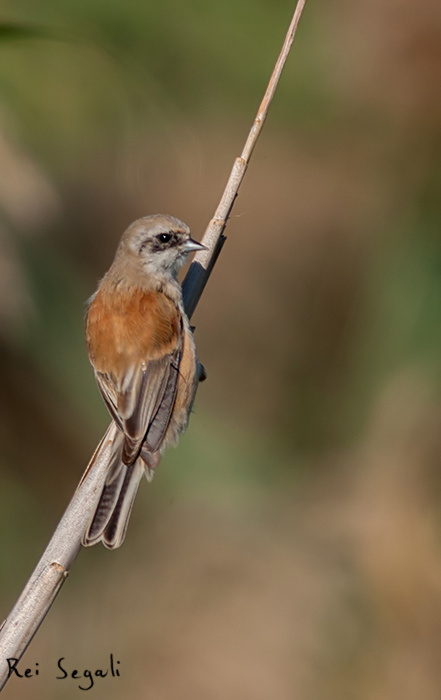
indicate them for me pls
(130, 326)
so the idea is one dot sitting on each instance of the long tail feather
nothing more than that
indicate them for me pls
(111, 517)
(115, 531)
(104, 510)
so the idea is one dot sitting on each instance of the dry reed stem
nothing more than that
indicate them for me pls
(54, 566)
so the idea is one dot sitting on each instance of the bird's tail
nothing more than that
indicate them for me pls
(112, 514)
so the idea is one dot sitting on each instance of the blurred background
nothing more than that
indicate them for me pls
(290, 547)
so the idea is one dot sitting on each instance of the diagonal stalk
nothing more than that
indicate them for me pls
(51, 571)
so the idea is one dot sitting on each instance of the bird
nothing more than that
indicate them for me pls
(143, 354)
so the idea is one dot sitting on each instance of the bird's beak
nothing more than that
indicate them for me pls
(191, 245)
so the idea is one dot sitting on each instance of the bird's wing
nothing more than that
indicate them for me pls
(143, 404)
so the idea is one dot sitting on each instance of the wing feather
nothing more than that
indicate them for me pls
(143, 405)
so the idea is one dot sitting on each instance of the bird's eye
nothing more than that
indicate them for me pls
(164, 237)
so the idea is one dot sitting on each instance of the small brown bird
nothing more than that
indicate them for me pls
(142, 350)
